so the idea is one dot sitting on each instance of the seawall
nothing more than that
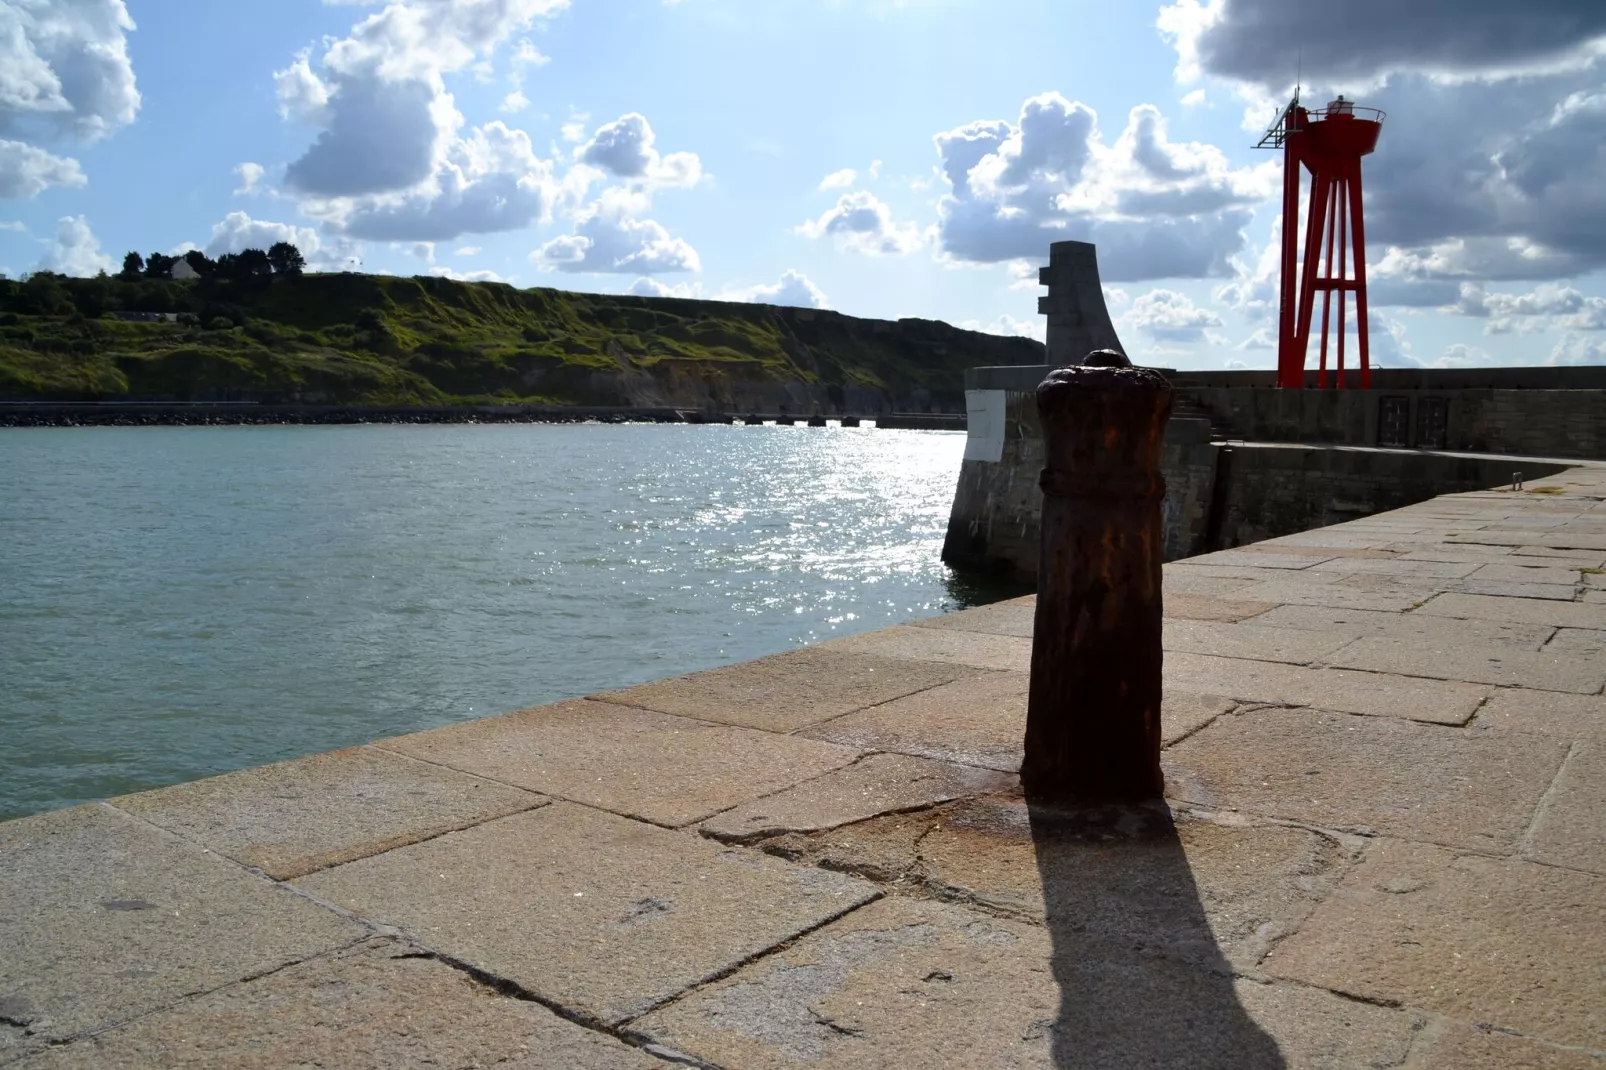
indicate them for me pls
(1223, 492)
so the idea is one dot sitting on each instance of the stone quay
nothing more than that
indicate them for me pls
(1382, 844)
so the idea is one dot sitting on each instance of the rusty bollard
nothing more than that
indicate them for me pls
(1093, 716)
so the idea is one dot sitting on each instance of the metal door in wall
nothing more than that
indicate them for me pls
(1393, 421)
(1432, 423)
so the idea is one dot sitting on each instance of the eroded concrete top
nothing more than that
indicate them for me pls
(1383, 845)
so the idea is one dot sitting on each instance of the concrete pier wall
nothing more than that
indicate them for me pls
(1219, 494)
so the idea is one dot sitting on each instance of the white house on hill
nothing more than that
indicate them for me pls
(182, 270)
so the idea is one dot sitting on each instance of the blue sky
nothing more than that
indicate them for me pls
(881, 158)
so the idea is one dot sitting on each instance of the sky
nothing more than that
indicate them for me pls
(883, 158)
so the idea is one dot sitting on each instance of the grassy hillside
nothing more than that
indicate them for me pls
(375, 339)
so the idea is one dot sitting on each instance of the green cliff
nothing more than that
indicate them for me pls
(386, 340)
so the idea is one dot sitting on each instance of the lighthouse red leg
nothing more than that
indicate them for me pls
(1359, 234)
(1321, 187)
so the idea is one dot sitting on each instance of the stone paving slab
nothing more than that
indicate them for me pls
(1574, 558)
(1516, 589)
(1000, 618)
(601, 914)
(1578, 643)
(1513, 944)
(661, 768)
(1250, 641)
(1374, 694)
(906, 983)
(1263, 557)
(974, 649)
(104, 918)
(1534, 573)
(1334, 594)
(1182, 581)
(1516, 610)
(1394, 566)
(295, 817)
(1569, 829)
(1396, 777)
(1191, 886)
(1550, 712)
(982, 721)
(374, 1007)
(1463, 1046)
(879, 784)
(785, 692)
(1179, 606)
(1356, 623)
(1487, 663)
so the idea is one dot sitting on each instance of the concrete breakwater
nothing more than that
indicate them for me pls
(1220, 492)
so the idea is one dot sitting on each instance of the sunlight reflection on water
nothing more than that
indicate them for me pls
(176, 602)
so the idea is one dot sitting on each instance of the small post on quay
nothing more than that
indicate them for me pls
(1093, 713)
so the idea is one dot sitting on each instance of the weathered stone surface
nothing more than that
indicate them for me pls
(1250, 641)
(378, 1006)
(1517, 610)
(1570, 830)
(104, 918)
(1461, 1046)
(879, 784)
(1000, 618)
(784, 692)
(978, 721)
(1476, 789)
(1200, 607)
(1405, 626)
(1554, 713)
(976, 649)
(1421, 570)
(1578, 643)
(1555, 539)
(1329, 689)
(905, 983)
(1251, 558)
(1534, 573)
(294, 817)
(1488, 663)
(1337, 595)
(1573, 558)
(600, 914)
(1509, 943)
(1175, 581)
(1192, 887)
(1510, 589)
(982, 721)
(662, 768)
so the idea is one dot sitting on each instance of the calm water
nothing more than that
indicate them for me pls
(176, 602)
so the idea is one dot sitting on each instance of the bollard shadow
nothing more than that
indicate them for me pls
(1142, 980)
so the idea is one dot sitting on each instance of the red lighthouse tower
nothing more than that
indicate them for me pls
(1329, 144)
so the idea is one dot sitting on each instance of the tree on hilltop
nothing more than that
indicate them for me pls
(159, 266)
(133, 264)
(286, 259)
(200, 263)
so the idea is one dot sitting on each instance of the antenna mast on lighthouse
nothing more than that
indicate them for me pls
(1329, 144)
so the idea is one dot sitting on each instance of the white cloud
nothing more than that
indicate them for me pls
(64, 76)
(624, 149)
(645, 287)
(469, 276)
(1577, 349)
(839, 179)
(467, 250)
(1549, 305)
(1261, 338)
(237, 231)
(487, 182)
(1194, 99)
(1009, 326)
(64, 69)
(574, 130)
(26, 171)
(1156, 208)
(250, 174)
(514, 102)
(16, 226)
(793, 289)
(609, 238)
(388, 123)
(424, 250)
(74, 250)
(860, 222)
(1169, 316)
